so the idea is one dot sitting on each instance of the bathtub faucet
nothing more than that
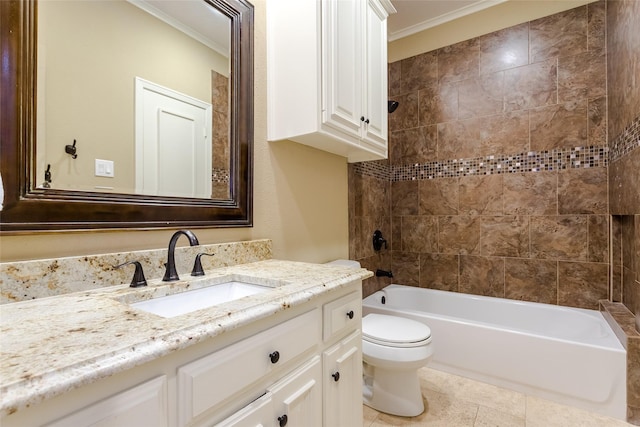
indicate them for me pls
(384, 273)
(378, 241)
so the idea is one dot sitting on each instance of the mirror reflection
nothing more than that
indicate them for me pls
(133, 98)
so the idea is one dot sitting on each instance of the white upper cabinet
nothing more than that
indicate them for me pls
(327, 75)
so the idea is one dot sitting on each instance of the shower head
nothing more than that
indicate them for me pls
(392, 105)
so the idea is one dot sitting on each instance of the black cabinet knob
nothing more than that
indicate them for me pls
(336, 376)
(362, 118)
(283, 420)
(275, 356)
(367, 121)
(350, 314)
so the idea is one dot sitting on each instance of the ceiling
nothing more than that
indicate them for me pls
(417, 15)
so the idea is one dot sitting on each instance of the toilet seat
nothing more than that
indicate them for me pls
(394, 331)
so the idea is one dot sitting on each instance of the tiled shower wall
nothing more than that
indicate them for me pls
(623, 71)
(496, 182)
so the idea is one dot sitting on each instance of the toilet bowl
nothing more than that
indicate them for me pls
(393, 349)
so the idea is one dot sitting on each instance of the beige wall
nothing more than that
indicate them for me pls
(300, 200)
(486, 21)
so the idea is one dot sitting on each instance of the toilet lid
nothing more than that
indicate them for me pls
(394, 331)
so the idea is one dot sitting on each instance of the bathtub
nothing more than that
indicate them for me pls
(567, 355)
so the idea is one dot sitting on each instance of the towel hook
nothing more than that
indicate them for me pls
(71, 149)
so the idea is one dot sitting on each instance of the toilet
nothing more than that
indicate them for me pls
(393, 349)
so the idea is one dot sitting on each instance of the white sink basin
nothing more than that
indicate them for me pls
(197, 299)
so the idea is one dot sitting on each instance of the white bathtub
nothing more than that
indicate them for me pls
(567, 355)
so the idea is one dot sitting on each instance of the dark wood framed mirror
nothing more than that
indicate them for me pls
(27, 206)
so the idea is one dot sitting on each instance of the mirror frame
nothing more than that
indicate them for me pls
(27, 208)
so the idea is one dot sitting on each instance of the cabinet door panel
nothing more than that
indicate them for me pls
(343, 398)
(258, 413)
(375, 135)
(145, 404)
(298, 396)
(343, 56)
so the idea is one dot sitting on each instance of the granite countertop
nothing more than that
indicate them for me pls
(52, 345)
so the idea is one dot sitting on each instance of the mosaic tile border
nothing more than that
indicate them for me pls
(376, 169)
(627, 141)
(532, 161)
(220, 175)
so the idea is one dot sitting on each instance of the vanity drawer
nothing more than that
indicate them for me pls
(210, 380)
(342, 315)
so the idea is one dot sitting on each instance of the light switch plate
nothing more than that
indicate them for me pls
(104, 168)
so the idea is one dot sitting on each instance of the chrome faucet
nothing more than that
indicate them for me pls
(170, 273)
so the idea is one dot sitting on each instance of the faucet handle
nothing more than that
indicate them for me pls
(197, 265)
(138, 276)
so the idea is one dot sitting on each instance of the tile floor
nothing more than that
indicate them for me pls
(453, 401)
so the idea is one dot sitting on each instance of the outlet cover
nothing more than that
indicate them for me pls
(104, 168)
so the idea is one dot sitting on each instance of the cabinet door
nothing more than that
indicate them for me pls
(342, 377)
(342, 50)
(297, 398)
(375, 74)
(258, 413)
(143, 405)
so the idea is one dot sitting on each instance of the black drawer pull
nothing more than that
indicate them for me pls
(350, 314)
(283, 420)
(336, 376)
(275, 356)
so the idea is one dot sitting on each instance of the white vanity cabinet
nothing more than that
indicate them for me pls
(276, 370)
(144, 404)
(327, 75)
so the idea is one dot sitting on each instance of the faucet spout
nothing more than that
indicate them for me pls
(170, 274)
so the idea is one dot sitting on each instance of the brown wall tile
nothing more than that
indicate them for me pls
(531, 280)
(598, 238)
(624, 176)
(410, 146)
(504, 236)
(623, 64)
(481, 195)
(582, 284)
(438, 103)
(404, 198)
(582, 76)
(561, 34)
(597, 121)
(481, 96)
(418, 72)
(559, 237)
(406, 268)
(596, 25)
(531, 194)
(582, 191)
(504, 49)
(439, 271)
(559, 126)
(458, 61)
(459, 234)
(394, 78)
(438, 196)
(406, 115)
(531, 86)
(419, 234)
(482, 276)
